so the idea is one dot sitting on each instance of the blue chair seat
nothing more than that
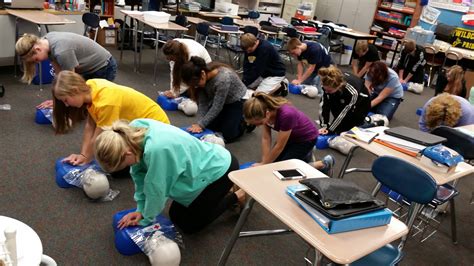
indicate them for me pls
(386, 255)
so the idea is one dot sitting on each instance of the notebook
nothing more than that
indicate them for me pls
(26, 4)
(415, 136)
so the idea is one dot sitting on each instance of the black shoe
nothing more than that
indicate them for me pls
(283, 89)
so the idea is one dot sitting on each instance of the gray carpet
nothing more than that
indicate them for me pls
(75, 231)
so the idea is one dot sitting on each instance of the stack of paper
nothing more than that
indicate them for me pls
(361, 134)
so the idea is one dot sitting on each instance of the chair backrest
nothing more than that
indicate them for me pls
(456, 140)
(265, 23)
(203, 28)
(290, 32)
(408, 180)
(227, 21)
(296, 21)
(326, 34)
(251, 29)
(91, 20)
(253, 14)
(431, 49)
(453, 55)
(181, 20)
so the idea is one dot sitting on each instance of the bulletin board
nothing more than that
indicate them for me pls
(453, 5)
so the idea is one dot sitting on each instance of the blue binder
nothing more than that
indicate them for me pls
(366, 220)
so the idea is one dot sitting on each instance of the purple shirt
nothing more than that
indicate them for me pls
(302, 127)
(467, 114)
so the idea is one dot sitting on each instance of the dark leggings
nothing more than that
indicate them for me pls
(300, 150)
(209, 205)
(229, 122)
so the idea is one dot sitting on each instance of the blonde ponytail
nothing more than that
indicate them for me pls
(332, 77)
(257, 106)
(24, 48)
(111, 145)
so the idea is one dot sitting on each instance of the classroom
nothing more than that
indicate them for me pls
(232, 132)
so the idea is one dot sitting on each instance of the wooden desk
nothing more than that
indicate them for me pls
(40, 18)
(243, 23)
(216, 15)
(462, 169)
(140, 21)
(29, 248)
(262, 186)
(195, 20)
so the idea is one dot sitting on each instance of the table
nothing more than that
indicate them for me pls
(262, 186)
(462, 169)
(216, 15)
(40, 18)
(138, 17)
(350, 33)
(244, 22)
(29, 247)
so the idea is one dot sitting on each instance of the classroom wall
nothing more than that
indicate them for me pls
(447, 17)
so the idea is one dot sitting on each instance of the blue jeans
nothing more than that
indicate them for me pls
(314, 80)
(387, 107)
(298, 150)
(108, 72)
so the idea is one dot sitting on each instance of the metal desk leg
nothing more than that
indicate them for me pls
(318, 258)
(353, 51)
(235, 234)
(40, 67)
(123, 35)
(155, 63)
(141, 47)
(15, 59)
(454, 235)
(135, 46)
(347, 161)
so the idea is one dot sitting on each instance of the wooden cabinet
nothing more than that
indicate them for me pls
(352, 13)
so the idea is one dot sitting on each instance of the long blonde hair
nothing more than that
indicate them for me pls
(25, 49)
(332, 77)
(444, 109)
(110, 146)
(68, 83)
(257, 106)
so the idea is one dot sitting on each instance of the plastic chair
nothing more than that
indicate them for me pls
(251, 29)
(227, 21)
(253, 15)
(416, 186)
(182, 20)
(91, 22)
(456, 140)
(431, 62)
(453, 57)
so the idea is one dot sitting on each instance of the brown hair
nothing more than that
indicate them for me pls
(455, 83)
(409, 45)
(68, 83)
(112, 144)
(444, 109)
(191, 73)
(378, 72)
(293, 43)
(362, 46)
(24, 48)
(247, 40)
(260, 103)
(332, 76)
(180, 55)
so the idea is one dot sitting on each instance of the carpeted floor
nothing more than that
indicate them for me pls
(75, 231)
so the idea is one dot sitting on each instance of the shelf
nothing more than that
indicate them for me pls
(390, 21)
(397, 10)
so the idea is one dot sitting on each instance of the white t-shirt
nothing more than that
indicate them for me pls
(194, 49)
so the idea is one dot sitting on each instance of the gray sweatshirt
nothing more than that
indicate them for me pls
(225, 88)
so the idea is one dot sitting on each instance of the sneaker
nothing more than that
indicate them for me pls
(328, 162)
(284, 88)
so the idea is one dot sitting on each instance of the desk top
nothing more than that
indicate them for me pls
(195, 20)
(260, 183)
(29, 247)
(347, 32)
(138, 15)
(216, 15)
(308, 33)
(218, 30)
(40, 17)
(244, 22)
(444, 47)
(462, 169)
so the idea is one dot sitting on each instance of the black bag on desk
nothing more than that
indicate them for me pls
(337, 198)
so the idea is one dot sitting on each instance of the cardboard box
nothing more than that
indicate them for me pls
(106, 36)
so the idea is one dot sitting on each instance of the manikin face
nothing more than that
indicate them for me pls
(72, 100)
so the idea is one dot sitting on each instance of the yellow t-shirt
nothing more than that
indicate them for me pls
(111, 102)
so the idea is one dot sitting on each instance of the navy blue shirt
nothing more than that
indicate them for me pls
(316, 54)
(263, 62)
